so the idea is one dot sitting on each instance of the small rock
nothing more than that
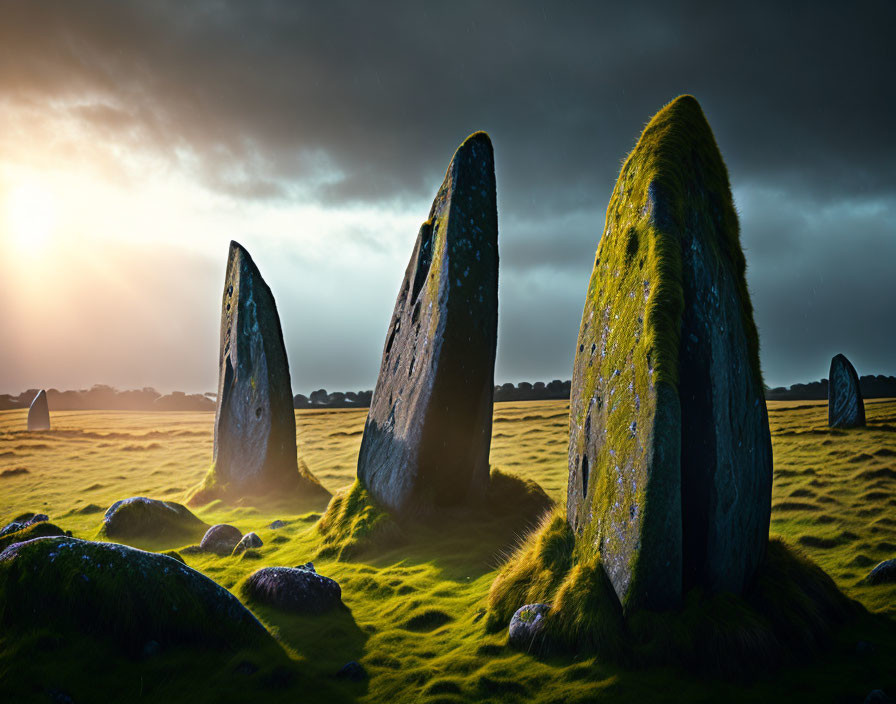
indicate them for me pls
(308, 567)
(292, 589)
(527, 625)
(878, 696)
(278, 524)
(11, 528)
(221, 539)
(249, 540)
(353, 671)
(151, 648)
(884, 573)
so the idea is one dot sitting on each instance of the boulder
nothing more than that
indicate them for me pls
(221, 539)
(846, 409)
(41, 529)
(670, 460)
(120, 594)
(255, 425)
(248, 541)
(39, 412)
(143, 520)
(23, 521)
(883, 573)
(526, 629)
(427, 435)
(291, 589)
(352, 671)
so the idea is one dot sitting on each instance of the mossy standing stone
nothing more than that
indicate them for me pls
(428, 431)
(670, 464)
(846, 408)
(39, 412)
(255, 424)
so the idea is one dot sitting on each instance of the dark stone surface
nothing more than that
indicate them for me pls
(670, 462)
(293, 589)
(527, 627)
(39, 412)
(248, 541)
(846, 409)
(20, 532)
(883, 573)
(426, 440)
(140, 518)
(221, 539)
(120, 594)
(278, 524)
(352, 671)
(255, 426)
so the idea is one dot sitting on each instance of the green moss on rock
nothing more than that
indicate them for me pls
(121, 595)
(145, 522)
(35, 530)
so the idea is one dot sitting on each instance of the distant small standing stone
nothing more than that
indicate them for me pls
(527, 626)
(221, 539)
(884, 573)
(291, 589)
(846, 409)
(39, 413)
(249, 540)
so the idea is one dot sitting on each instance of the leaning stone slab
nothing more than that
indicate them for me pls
(39, 412)
(426, 440)
(123, 595)
(846, 408)
(526, 628)
(255, 424)
(670, 463)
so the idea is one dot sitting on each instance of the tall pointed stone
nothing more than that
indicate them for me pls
(426, 440)
(255, 425)
(670, 464)
(39, 412)
(846, 408)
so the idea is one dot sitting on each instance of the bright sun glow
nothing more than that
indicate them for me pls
(30, 215)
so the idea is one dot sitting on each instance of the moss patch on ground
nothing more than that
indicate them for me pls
(416, 613)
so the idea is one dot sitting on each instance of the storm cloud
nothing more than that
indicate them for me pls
(360, 105)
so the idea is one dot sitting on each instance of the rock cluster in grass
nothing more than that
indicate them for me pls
(670, 462)
(255, 426)
(39, 412)
(296, 589)
(143, 519)
(428, 431)
(166, 601)
(846, 409)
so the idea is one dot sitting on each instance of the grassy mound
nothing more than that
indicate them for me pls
(354, 524)
(791, 612)
(299, 492)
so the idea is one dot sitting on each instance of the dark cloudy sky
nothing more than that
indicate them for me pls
(137, 139)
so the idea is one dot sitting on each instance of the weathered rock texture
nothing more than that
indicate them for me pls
(426, 440)
(670, 464)
(120, 594)
(255, 426)
(149, 521)
(293, 589)
(39, 412)
(846, 408)
(221, 539)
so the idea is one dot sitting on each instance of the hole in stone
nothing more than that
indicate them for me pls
(416, 312)
(230, 290)
(584, 475)
(258, 412)
(392, 335)
(424, 258)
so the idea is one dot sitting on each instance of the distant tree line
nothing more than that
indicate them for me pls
(106, 398)
(871, 386)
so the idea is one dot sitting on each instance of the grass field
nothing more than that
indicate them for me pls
(414, 617)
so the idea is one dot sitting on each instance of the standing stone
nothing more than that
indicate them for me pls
(255, 425)
(426, 440)
(39, 413)
(846, 409)
(670, 462)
